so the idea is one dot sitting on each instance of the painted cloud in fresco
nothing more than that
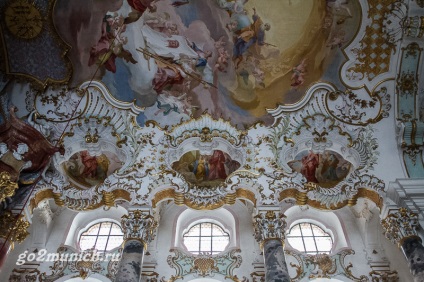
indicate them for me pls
(177, 60)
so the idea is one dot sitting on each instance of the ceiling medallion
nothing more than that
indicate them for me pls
(23, 19)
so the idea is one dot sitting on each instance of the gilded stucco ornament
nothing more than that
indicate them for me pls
(7, 187)
(24, 274)
(384, 276)
(400, 225)
(32, 50)
(23, 19)
(79, 264)
(139, 225)
(323, 265)
(204, 265)
(269, 225)
(323, 157)
(191, 159)
(409, 114)
(368, 58)
(14, 227)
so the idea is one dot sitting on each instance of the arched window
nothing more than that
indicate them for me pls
(206, 237)
(103, 236)
(309, 238)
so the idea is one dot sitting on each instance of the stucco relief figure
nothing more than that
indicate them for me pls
(326, 169)
(206, 170)
(86, 170)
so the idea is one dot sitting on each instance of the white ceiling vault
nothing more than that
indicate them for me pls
(321, 107)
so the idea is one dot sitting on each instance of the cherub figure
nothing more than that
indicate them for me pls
(299, 72)
(222, 61)
(338, 40)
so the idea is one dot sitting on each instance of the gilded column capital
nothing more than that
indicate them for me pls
(269, 224)
(13, 227)
(400, 225)
(139, 225)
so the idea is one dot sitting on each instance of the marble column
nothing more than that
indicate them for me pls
(5, 247)
(269, 232)
(139, 230)
(400, 227)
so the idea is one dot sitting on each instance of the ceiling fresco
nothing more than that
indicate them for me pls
(327, 168)
(245, 59)
(206, 170)
(285, 102)
(86, 170)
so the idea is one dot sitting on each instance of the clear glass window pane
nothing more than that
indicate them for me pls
(219, 244)
(216, 230)
(206, 237)
(194, 231)
(206, 244)
(206, 229)
(324, 244)
(105, 228)
(295, 231)
(93, 230)
(192, 243)
(309, 236)
(116, 230)
(309, 244)
(296, 243)
(318, 231)
(87, 242)
(102, 236)
(306, 229)
(101, 243)
(114, 242)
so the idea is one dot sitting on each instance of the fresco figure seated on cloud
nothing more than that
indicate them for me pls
(249, 36)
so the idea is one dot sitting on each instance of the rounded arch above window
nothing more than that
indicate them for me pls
(206, 238)
(309, 238)
(102, 236)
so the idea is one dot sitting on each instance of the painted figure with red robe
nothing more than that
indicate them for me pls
(217, 166)
(310, 163)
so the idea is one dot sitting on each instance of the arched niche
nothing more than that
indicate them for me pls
(222, 217)
(83, 219)
(327, 220)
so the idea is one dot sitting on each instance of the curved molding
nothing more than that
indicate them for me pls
(302, 198)
(179, 199)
